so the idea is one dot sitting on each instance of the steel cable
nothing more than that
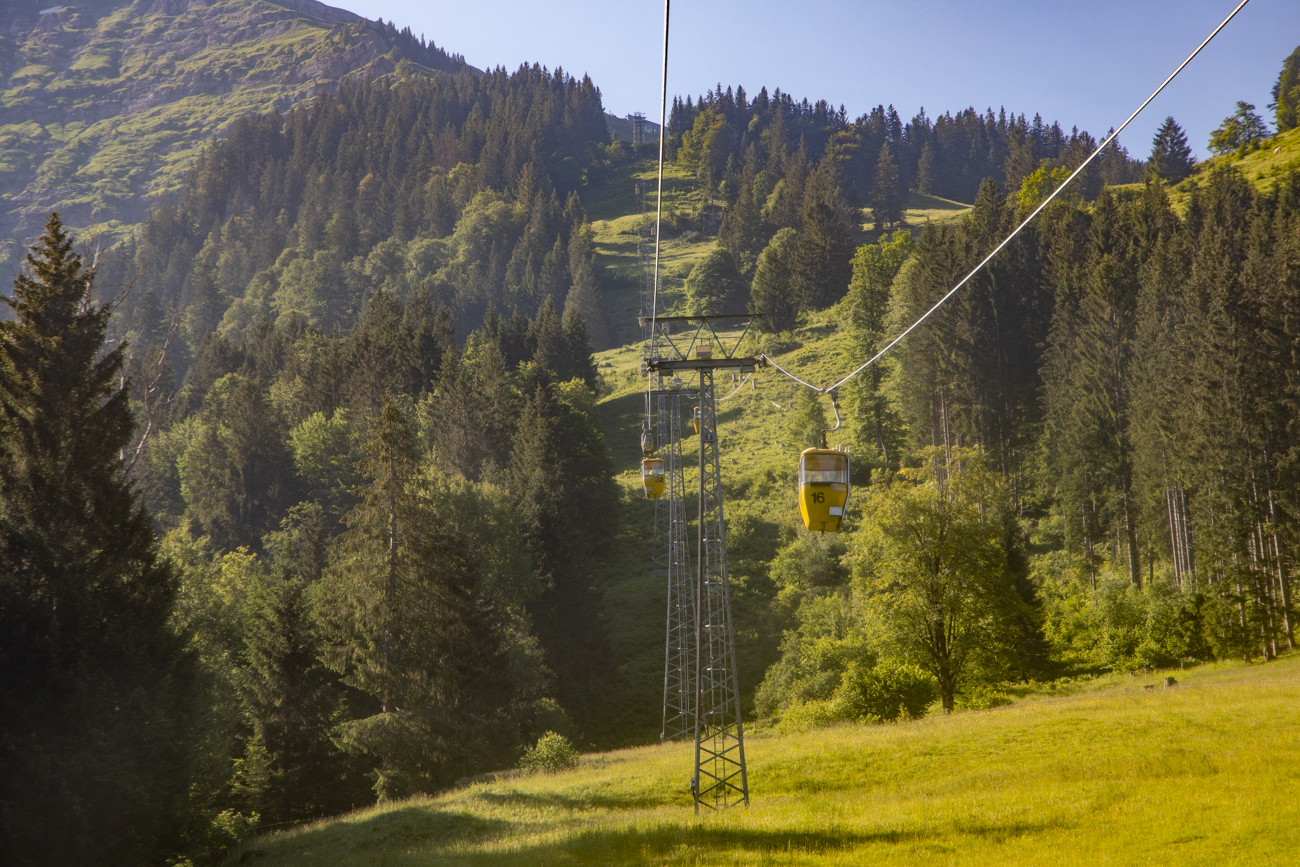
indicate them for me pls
(1025, 222)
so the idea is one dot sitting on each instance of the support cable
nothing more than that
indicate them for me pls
(1026, 221)
(738, 388)
(768, 360)
(659, 199)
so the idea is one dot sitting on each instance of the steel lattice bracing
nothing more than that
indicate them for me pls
(672, 562)
(679, 646)
(720, 776)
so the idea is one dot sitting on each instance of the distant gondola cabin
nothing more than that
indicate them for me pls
(652, 477)
(823, 488)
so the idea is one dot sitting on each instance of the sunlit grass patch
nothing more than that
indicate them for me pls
(1202, 772)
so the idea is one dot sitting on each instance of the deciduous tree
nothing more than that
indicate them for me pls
(935, 570)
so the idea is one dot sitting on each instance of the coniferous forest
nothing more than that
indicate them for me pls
(305, 502)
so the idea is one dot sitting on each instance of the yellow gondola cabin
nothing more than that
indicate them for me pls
(823, 488)
(652, 477)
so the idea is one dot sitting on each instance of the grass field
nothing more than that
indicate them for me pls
(1202, 772)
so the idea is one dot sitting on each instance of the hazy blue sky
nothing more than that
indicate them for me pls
(1083, 63)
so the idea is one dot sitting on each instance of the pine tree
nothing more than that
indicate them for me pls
(1171, 155)
(95, 695)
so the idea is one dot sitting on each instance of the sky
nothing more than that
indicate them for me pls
(1086, 64)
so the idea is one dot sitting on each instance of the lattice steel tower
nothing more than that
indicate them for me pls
(672, 559)
(679, 643)
(720, 777)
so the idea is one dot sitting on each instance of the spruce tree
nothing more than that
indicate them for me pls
(384, 609)
(926, 179)
(886, 192)
(771, 293)
(820, 268)
(715, 285)
(566, 506)
(290, 699)
(94, 685)
(578, 341)
(874, 268)
(1286, 94)
(742, 231)
(586, 302)
(1171, 155)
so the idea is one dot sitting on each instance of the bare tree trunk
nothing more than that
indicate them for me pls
(1173, 536)
(390, 585)
(1134, 555)
(1189, 541)
(1279, 564)
(1087, 543)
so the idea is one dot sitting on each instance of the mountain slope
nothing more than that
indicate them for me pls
(1108, 772)
(104, 107)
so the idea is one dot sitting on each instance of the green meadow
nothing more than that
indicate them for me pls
(1106, 771)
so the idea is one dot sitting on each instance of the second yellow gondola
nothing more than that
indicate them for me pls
(823, 488)
(652, 477)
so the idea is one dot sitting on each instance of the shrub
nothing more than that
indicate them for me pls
(983, 697)
(551, 753)
(885, 692)
(803, 715)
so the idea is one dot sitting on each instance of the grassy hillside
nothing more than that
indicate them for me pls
(758, 447)
(1113, 773)
(1275, 158)
(1263, 167)
(104, 107)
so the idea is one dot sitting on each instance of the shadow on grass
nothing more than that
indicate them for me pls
(587, 801)
(399, 827)
(428, 830)
(817, 332)
(619, 420)
(921, 202)
(684, 843)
